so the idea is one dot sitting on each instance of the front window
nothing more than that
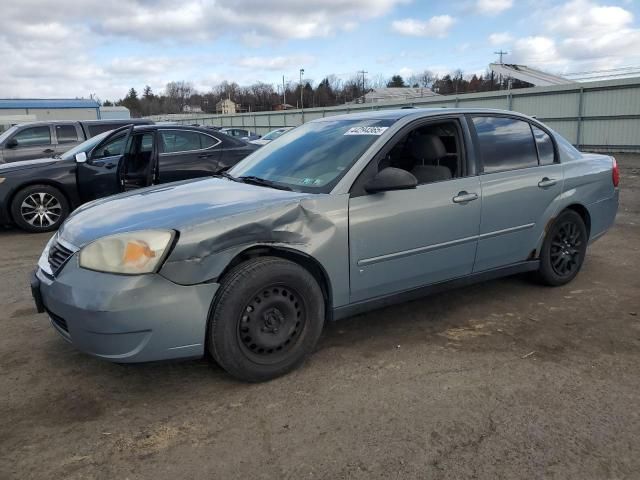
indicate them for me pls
(33, 136)
(314, 156)
(84, 146)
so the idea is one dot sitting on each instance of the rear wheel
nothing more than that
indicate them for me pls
(268, 317)
(563, 250)
(39, 208)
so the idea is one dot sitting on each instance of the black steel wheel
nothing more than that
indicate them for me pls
(564, 249)
(39, 208)
(271, 323)
(267, 318)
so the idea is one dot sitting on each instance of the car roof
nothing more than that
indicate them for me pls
(398, 113)
(141, 128)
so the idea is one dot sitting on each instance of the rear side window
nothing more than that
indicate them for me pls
(505, 144)
(174, 141)
(33, 136)
(66, 133)
(98, 128)
(207, 141)
(544, 144)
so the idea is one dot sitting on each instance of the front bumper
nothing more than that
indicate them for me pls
(123, 318)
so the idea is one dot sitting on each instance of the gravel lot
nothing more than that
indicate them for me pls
(505, 379)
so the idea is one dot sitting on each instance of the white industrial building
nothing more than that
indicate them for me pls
(114, 113)
(30, 109)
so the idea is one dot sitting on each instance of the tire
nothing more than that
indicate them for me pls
(267, 319)
(53, 205)
(563, 250)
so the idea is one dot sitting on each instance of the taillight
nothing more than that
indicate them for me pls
(615, 173)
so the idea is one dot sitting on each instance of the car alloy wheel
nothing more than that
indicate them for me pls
(41, 209)
(565, 249)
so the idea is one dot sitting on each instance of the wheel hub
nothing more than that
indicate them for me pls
(271, 322)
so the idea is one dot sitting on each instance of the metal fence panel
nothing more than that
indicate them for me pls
(604, 114)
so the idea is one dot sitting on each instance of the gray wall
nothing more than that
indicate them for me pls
(601, 115)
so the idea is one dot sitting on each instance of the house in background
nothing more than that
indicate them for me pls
(226, 106)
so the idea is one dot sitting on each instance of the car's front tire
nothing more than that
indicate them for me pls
(267, 319)
(39, 208)
(563, 250)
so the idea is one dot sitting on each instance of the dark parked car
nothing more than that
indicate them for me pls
(37, 195)
(27, 141)
(240, 133)
(339, 216)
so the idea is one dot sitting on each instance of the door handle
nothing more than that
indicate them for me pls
(110, 165)
(48, 150)
(547, 182)
(464, 197)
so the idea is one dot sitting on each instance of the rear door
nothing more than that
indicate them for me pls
(29, 143)
(187, 154)
(520, 180)
(101, 174)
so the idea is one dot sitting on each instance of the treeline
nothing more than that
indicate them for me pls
(328, 92)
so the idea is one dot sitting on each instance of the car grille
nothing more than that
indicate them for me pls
(59, 321)
(58, 256)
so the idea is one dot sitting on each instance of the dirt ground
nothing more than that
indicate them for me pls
(505, 379)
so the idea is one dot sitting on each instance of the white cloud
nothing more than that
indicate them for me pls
(275, 63)
(500, 39)
(437, 26)
(493, 7)
(51, 51)
(581, 35)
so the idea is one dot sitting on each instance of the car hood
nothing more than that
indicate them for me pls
(182, 206)
(26, 164)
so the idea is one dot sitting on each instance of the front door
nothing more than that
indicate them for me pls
(401, 240)
(29, 143)
(101, 174)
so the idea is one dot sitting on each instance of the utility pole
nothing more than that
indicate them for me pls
(363, 72)
(284, 95)
(301, 89)
(501, 53)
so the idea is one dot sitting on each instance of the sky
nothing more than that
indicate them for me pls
(71, 48)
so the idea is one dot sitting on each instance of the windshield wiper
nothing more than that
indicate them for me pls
(227, 175)
(263, 182)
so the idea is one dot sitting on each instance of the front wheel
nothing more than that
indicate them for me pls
(39, 208)
(267, 319)
(563, 250)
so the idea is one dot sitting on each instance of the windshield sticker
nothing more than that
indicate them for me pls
(366, 131)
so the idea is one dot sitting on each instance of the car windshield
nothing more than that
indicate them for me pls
(274, 134)
(7, 133)
(314, 156)
(84, 146)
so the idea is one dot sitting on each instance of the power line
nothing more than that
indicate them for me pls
(602, 71)
(363, 72)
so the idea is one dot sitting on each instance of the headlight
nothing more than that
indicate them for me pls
(129, 253)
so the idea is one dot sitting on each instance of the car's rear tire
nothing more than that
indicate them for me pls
(39, 208)
(563, 250)
(267, 318)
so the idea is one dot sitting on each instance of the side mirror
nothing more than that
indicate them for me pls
(389, 179)
(13, 143)
(81, 157)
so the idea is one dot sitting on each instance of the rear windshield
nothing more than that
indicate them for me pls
(314, 156)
